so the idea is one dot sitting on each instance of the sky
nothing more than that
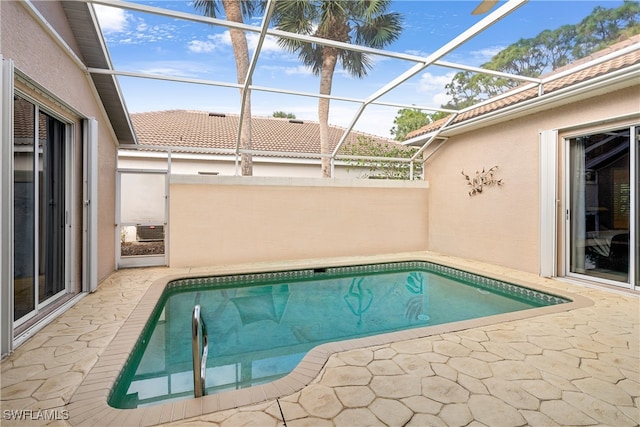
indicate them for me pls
(148, 43)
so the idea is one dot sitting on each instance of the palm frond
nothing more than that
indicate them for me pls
(369, 9)
(294, 16)
(363, 22)
(311, 57)
(357, 64)
(379, 31)
(210, 8)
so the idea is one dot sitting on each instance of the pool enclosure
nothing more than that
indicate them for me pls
(567, 152)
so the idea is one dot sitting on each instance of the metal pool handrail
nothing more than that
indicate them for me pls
(198, 332)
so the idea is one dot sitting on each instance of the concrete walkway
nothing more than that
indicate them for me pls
(577, 367)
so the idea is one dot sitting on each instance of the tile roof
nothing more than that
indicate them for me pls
(580, 75)
(199, 129)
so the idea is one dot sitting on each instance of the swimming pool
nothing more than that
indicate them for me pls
(261, 325)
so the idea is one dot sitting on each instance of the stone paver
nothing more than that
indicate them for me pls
(444, 390)
(576, 367)
(456, 415)
(391, 412)
(355, 397)
(320, 401)
(492, 411)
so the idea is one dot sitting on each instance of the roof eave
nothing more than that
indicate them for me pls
(627, 77)
(84, 25)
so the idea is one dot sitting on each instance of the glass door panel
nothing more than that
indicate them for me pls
(24, 208)
(39, 152)
(52, 209)
(600, 205)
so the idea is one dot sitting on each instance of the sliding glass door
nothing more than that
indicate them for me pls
(603, 192)
(40, 210)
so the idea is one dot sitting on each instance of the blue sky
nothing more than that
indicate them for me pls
(148, 43)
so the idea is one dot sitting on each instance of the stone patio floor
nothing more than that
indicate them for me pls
(578, 368)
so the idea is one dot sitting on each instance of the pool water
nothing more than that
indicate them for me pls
(261, 325)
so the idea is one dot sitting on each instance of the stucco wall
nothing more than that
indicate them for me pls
(37, 56)
(501, 225)
(220, 220)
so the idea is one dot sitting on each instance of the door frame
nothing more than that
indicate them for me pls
(143, 260)
(6, 205)
(73, 266)
(634, 233)
(69, 144)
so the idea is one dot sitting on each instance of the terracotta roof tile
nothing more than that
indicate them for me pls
(562, 82)
(199, 129)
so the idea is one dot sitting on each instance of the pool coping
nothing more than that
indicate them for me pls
(89, 406)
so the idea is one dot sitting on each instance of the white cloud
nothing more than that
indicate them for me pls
(475, 57)
(111, 19)
(270, 43)
(277, 70)
(432, 87)
(122, 27)
(212, 43)
(200, 46)
(377, 120)
(484, 55)
(223, 38)
(172, 68)
(417, 52)
(300, 70)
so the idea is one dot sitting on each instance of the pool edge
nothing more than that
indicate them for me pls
(88, 405)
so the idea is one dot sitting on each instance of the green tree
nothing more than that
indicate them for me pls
(362, 22)
(606, 26)
(235, 10)
(557, 45)
(283, 115)
(407, 120)
(382, 169)
(547, 51)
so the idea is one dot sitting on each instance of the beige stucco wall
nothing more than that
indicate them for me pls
(45, 64)
(501, 225)
(220, 220)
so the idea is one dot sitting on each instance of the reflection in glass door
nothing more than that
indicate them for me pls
(600, 205)
(24, 208)
(39, 208)
(52, 209)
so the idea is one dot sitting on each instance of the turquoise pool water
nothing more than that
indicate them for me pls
(261, 325)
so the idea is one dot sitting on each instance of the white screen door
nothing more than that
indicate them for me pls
(142, 218)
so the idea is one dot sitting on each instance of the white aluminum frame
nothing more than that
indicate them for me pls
(566, 208)
(548, 202)
(90, 205)
(6, 205)
(422, 63)
(68, 196)
(145, 260)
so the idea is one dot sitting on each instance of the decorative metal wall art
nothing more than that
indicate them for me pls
(481, 180)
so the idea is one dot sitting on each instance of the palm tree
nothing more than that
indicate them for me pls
(234, 11)
(362, 22)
